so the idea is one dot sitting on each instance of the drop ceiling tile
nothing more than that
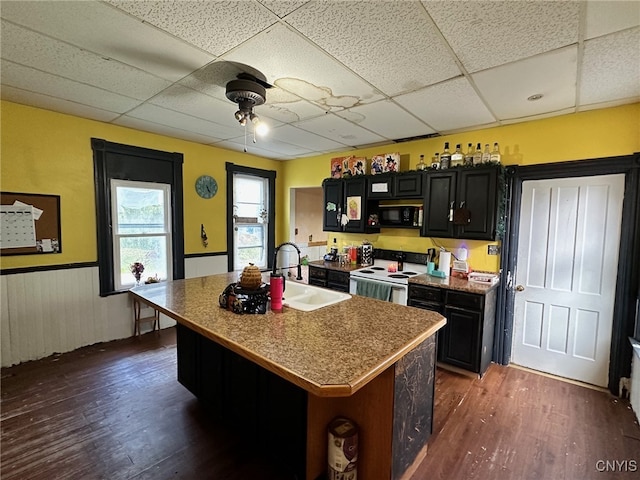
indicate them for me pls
(287, 107)
(159, 129)
(303, 138)
(173, 119)
(282, 8)
(31, 49)
(105, 30)
(254, 149)
(236, 147)
(269, 144)
(303, 69)
(386, 119)
(46, 102)
(555, 113)
(608, 104)
(30, 79)
(485, 34)
(215, 27)
(339, 130)
(611, 68)
(394, 45)
(603, 18)
(451, 105)
(553, 74)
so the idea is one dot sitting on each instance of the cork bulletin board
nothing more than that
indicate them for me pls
(29, 224)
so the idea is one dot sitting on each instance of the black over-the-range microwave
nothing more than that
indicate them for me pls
(397, 215)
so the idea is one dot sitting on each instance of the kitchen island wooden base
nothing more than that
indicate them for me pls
(394, 411)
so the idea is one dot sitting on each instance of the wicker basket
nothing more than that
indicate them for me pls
(251, 277)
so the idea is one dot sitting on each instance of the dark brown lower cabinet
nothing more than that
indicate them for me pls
(270, 411)
(466, 341)
(337, 280)
(328, 278)
(275, 415)
(317, 276)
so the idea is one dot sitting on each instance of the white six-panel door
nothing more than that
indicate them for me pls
(566, 276)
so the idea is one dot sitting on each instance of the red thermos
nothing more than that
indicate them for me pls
(276, 290)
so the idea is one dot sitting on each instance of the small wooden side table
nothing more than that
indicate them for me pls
(155, 318)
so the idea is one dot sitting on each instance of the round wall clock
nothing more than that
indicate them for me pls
(206, 186)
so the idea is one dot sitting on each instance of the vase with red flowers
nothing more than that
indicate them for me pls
(137, 268)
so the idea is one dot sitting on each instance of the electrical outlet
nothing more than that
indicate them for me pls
(493, 250)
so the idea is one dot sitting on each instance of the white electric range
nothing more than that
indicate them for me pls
(382, 271)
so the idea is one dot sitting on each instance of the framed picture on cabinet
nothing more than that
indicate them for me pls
(392, 162)
(377, 164)
(357, 165)
(336, 167)
(354, 208)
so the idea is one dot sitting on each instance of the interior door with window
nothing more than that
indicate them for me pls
(250, 221)
(567, 259)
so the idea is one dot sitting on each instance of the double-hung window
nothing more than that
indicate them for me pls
(139, 214)
(141, 228)
(251, 197)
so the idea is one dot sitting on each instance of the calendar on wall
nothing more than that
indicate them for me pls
(29, 223)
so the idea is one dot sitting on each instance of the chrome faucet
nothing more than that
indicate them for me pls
(275, 258)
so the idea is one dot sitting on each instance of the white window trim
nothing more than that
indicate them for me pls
(166, 189)
(262, 222)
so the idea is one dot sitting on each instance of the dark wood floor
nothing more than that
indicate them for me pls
(116, 411)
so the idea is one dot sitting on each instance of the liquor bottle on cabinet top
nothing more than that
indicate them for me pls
(445, 157)
(421, 165)
(486, 155)
(468, 158)
(457, 157)
(495, 154)
(477, 157)
(435, 161)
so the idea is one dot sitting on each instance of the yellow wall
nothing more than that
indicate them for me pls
(593, 134)
(50, 153)
(47, 152)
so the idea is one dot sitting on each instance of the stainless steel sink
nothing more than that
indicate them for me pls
(308, 298)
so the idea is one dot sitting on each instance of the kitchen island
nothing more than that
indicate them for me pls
(282, 377)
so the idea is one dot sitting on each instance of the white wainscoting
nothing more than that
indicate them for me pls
(57, 311)
(203, 266)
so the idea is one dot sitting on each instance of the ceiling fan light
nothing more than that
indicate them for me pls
(254, 118)
(261, 129)
(243, 121)
(239, 115)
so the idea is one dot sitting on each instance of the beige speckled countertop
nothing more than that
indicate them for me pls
(452, 283)
(332, 352)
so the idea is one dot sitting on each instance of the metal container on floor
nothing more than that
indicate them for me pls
(342, 450)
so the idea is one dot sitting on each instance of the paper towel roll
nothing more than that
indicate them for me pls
(445, 263)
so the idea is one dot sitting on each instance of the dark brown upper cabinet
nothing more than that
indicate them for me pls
(462, 203)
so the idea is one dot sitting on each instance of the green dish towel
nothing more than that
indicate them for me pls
(377, 290)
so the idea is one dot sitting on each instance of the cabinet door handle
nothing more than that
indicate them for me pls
(451, 211)
(462, 204)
